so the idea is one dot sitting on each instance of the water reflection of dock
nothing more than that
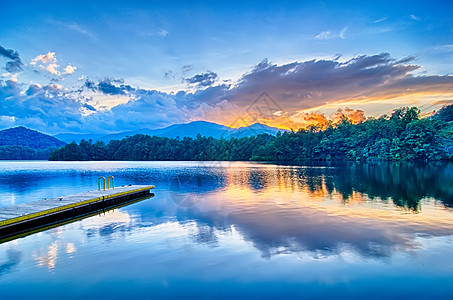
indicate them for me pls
(23, 217)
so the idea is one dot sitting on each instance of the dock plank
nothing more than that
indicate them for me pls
(21, 211)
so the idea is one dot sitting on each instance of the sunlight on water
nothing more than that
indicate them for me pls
(228, 229)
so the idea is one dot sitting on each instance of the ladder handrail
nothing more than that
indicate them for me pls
(99, 183)
(108, 182)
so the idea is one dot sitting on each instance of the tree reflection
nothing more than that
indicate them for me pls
(406, 184)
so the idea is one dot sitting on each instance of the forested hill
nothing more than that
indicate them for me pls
(26, 137)
(401, 136)
(24, 143)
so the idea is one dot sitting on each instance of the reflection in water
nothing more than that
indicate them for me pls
(108, 224)
(47, 258)
(274, 207)
(13, 258)
(273, 228)
(228, 221)
(405, 184)
(70, 248)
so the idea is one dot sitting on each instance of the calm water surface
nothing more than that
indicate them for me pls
(238, 230)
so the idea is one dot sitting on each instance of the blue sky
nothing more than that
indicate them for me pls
(151, 64)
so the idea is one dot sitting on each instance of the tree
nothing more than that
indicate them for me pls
(403, 136)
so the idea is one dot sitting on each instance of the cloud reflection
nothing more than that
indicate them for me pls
(47, 258)
(370, 210)
(321, 210)
(13, 259)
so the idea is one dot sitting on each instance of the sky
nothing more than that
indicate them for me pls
(110, 66)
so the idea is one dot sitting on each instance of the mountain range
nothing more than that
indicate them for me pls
(23, 143)
(21, 136)
(191, 129)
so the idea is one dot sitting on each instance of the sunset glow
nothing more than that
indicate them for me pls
(226, 149)
(151, 66)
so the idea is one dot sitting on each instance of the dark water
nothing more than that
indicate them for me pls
(238, 230)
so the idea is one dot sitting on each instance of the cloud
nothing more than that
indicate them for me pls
(108, 86)
(73, 26)
(162, 33)
(354, 116)
(380, 20)
(69, 69)
(48, 62)
(310, 119)
(56, 87)
(169, 74)
(324, 35)
(203, 80)
(148, 109)
(308, 85)
(89, 107)
(297, 96)
(14, 77)
(9, 53)
(44, 58)
(53, 109)
(343, 32)
(45, 108)
(186, 69)
(52, 69)
(15, 64)
(414, 18)
(77, 28)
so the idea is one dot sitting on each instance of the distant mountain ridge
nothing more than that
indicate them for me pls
(191, 129)
(22, 143)
(77, 137)
(21, 136)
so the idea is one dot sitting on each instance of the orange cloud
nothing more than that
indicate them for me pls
(354, 116)
(302, 120)
(48, 62)
(44, 59)
(306, 120)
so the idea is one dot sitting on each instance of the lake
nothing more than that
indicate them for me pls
(237, 230)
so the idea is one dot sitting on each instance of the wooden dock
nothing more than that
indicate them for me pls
(22, 217)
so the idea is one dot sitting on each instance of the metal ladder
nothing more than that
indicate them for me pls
(108, 182)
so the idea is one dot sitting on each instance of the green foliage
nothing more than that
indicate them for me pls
(17, 152)
(401, 137)
(21, 143)
(445, 114)
(404, 183)
(405, 115)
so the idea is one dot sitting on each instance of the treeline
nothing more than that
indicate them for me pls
(17, 152)
(401, 136)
